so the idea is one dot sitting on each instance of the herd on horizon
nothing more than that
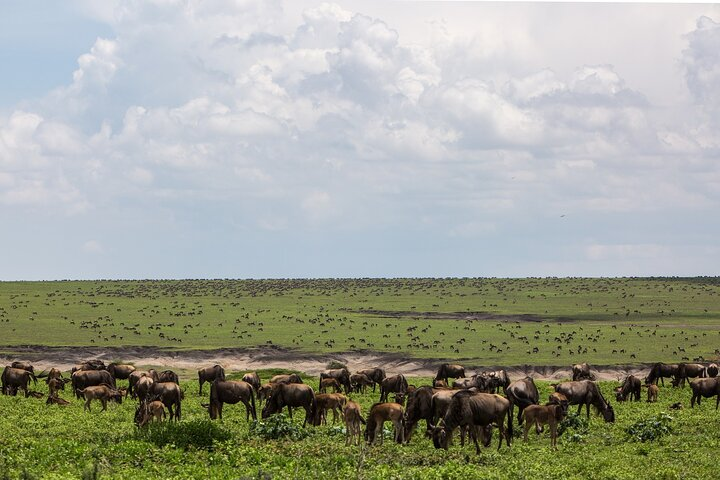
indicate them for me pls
(471, 404)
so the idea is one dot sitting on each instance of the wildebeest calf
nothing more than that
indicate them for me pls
(352, 415)
(103, 393)
(539, 415)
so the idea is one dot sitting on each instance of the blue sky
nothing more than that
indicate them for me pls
(184, 139)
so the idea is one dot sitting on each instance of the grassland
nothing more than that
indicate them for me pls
(53, 442)
(546, 321)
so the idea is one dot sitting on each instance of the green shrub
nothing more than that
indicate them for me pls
(199, 434)
(576, 421)
(334, 365)
(276, 427)
(651, 428)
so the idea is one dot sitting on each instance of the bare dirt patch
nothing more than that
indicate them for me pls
(236, 359)
(478, 316)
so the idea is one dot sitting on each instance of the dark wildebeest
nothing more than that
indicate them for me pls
(379, 414)
(712, 370)
(377, 375)
(359, 382)
(419, 407)
(168, 376)
(581, 371)
(661, 371)
(630, 388)
(468, 382)
(16, 378)
(326, 383)
(142, 388)
(120, 371)
(232, 392)
(136, 376)
(253, 379)
(540, 415)
(522, 393)
(53, 373)
(705, 387)
(474, 410)
(23, 366)
(686, 371)
(342, 375)
(88, 378)
(210, 374)
(394, 384)
(170, 394)
(586, 393)
(291, 395)
(104, 393)
(287, 378)
(492, 382)
(89, 365)
(448, 370)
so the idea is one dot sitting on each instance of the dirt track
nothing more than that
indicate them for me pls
(261, 358)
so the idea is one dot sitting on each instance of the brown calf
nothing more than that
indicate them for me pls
(103, 393)
(326, 383)
(352, 416)
(652, 394)
(325, 402)
(379, 414)
(541, 415)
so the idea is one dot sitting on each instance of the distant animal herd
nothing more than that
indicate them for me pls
(474, 404)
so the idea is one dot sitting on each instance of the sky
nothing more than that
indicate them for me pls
(257, 139)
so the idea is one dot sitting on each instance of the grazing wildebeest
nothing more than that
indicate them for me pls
(88, 378)
(359, 382)
(168, 376)
(263, 392)
(686, 371)
(136, 376)
(377, 375)
(379, 414)
(325, 402)
(474, 410)
(661, 371)
(630, 388)
(253, 379)
(439, 383)
(557, 398)
(287, 378)
(170, 394)
(581, 371)
(522, 393)
(326, 383)
(104, 393)
(16, 378)
(148, 411)
(54, 386)
(120, 371)
(493, 381)
(394, 384)
(448, 370)
(705, 387)
(419, 407)
(51, 374)
(587, 393)
(232, 392)
(352, 416)
(291, 395)
(342, 375)
(540, 415)
(712, 370)
(23, 366)
(652, 392)
(210, 374)
(143, 387)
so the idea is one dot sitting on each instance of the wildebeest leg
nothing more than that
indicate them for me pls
(201, 384)
(527, 429)
(178, 410)
(553, 434)
(290, 412)
(104, 404)
(219, 409)
(587, 409)
(87, 405)
(717, 402)
(580, 405)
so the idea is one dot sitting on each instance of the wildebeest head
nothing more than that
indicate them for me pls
(440, 437)
(608, 413)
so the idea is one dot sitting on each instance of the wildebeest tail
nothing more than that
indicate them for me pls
(252, 403)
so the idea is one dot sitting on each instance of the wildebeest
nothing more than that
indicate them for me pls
(88, 378)
(581, 371)
(142, 388)
(342, 375)
(652, 392)
(55, 385)
(51, 374)
(585, 392)
(557, 398)
(89, 365)
(661, 371)
(468, 382)
(419, 407)
(711, 370)
(439, 383)
(232, 392)
(394, 384)
(630, 388)
(473, 410)
(263, 392)
(448, 370)
(104, 393)
(291, 395)
(23, 366)
(148, 411)
(325, 402)
(377, 375)
(210, 374)
(352, 416)
(705, 387)
(136, 375)
(686, 371)
(170, 394)
(492, 382)
(120, 371)
(379, 414)
(326, 383)
(522, 393)
(287, 378)
(541, 415)
(253, 379)
(359, 382)
(168, 376)
(16, 378)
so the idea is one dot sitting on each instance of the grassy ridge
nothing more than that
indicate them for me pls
(40, 441)
(602, 321)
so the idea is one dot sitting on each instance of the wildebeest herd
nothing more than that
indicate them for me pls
(476, 404)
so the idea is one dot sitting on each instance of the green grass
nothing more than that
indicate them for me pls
(40, 441)
(602, 321)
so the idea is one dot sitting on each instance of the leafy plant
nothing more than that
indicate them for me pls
(650, 429)
(197, 433)
(576, 421)
(276, 427)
